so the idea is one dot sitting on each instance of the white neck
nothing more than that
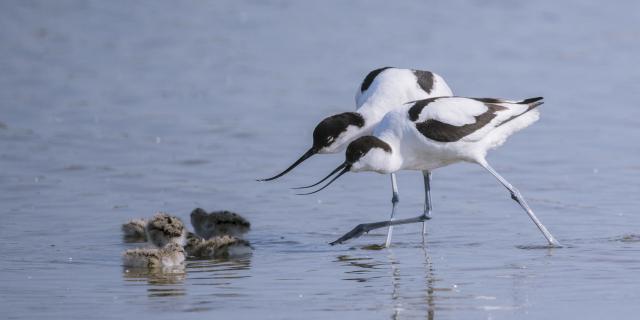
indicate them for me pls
(372, 114)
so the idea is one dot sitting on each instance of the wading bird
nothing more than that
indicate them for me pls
(381, 91)
(433, 133)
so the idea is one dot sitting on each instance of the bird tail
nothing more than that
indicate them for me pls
(532, 102)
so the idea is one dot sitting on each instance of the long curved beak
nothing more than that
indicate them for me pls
(323, 179)
(345, 168)
(304, 157)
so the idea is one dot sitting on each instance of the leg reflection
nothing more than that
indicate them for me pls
(429, 281)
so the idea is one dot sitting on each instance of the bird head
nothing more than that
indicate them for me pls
(330, 136)
(366, 153)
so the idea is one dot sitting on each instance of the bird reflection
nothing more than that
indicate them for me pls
(430, 280)
(161, 282)
(167, 282)
(363, 265)
(366, 269)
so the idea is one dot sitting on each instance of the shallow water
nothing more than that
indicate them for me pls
(113, 110)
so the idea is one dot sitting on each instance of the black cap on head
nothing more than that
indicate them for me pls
(325, 133)
(328, 130)
(355, 151)
(362, 145)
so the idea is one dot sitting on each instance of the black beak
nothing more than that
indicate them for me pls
(345, 168)
(304, 157)
(325, 178)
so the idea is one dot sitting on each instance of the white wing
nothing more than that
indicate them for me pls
(450, 119)
(388, 88)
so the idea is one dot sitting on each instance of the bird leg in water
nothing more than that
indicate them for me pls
(366, 227)
(427, 198)
(517, 197)
(394, 201)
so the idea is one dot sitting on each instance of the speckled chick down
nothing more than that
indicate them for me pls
(163, 229)
(171, 255)
(218, 223)
(134, 230)
(218, 247)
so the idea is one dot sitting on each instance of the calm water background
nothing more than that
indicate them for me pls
(116, 109)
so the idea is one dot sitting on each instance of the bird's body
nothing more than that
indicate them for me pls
(164, 229)
(172, 255)
(433, 133)
(218, 223)
(429, 134)
(225, 246)
(218, 234)
(134, 230)
(165, 232)
(382, 90)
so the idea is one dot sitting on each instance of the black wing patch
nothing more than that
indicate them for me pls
(370, 77)
(425, 80)
(416, 109)
(494, 100)
(444, 132)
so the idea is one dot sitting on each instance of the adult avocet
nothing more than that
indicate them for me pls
(433, 133)
(381, 91)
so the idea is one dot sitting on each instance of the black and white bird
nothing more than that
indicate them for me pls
(434, 133)
(381, 91)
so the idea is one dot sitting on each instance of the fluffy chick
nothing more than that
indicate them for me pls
(218, 223)
(163, 229)
(171, 255)
(134, 230)
(218, 247)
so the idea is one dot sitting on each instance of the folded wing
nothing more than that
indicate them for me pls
(451, 119)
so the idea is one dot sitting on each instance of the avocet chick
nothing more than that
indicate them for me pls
(218, 223)
(134, 230)
(218, 247)
(171, 255)
(193, 241)
(163, 229)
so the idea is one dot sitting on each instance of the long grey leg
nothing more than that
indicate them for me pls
(517, 196)
(426, 175)
(394, 201)
(366, 227)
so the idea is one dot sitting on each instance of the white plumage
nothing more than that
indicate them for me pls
(381, 91)
(392, 88)
(415, 150)
(432, 133)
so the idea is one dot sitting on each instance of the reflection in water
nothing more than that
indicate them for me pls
(395, 284)
(171, 281)
(219, 270)
(363, 267)
(544, 246)
(369, 269)
(429, 280)
(161, 282)
(631, 237)
(222, 277)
